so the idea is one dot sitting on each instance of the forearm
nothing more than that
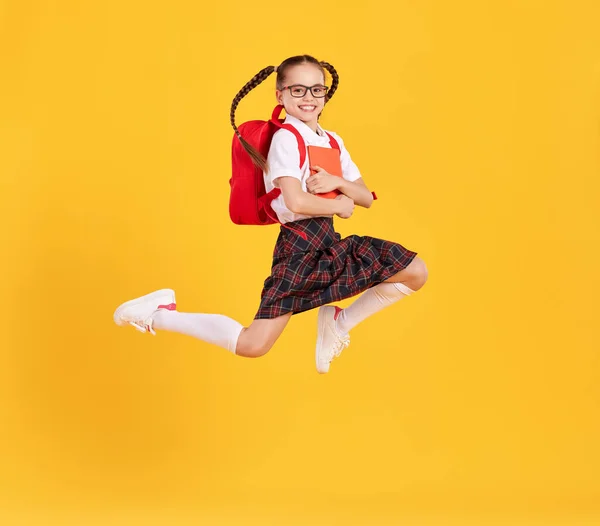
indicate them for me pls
(312, 205)
(359, 193)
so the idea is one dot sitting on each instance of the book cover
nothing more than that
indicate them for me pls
(329, 160)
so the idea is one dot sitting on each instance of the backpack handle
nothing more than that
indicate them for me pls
(276, 114)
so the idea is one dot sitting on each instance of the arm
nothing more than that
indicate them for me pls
(300, 202)
(357, 191)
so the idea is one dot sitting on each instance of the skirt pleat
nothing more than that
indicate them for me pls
(325, 268)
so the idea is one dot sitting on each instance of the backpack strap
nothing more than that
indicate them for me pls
(276, 192)
(279, 123)
(266, 201)
(333, 142)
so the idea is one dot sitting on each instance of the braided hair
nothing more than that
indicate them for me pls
(335, 79)
(260, 77)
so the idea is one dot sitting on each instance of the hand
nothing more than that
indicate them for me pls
(322, 182)
(348, 206)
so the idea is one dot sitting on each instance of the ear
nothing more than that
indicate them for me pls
(279, 96)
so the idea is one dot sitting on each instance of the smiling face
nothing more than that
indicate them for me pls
(308, 107)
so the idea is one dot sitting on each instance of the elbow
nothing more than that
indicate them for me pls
(294, 204)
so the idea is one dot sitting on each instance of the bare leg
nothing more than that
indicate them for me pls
(414, 276)
(257, 339)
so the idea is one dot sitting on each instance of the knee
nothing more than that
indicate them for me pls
(418, 273)
(252, 349)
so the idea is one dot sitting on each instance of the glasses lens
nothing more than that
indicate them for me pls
(319, 91)
(297, 91)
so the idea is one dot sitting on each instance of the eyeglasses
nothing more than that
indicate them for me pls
(298, 90)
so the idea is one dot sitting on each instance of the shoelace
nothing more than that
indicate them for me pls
(341, 343)
(145, 326)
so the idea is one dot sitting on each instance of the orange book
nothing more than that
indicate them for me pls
(329, 160)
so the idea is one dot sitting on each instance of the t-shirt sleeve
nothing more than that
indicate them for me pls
(283, 158)
(350, 171)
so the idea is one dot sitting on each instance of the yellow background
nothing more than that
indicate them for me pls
(473, 402)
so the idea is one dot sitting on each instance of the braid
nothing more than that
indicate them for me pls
(262, 75)
(335, 79)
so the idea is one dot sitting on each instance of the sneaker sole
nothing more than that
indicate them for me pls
(161, 297)
(321, 329)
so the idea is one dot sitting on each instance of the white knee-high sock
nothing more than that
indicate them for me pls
(371, 301)
(211, 328)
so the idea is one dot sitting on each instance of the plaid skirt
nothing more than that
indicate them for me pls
(325, 268)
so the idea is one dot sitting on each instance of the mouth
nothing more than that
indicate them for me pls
(307, 108)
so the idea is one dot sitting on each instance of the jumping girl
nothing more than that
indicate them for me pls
(312, 265)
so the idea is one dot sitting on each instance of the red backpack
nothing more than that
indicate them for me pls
(249, 203)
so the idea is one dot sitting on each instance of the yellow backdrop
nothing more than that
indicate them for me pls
(473, 402)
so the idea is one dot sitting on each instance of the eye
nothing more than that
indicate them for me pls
(297, 90)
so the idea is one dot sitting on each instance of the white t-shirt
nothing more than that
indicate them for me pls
(284, 160)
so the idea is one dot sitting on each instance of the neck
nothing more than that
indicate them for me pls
(313, 126)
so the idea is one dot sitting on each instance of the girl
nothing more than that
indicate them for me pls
(308, 271)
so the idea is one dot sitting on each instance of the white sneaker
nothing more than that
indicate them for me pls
(330, 343)
(138, 312)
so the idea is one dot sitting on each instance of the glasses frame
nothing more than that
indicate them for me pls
(306, 88)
